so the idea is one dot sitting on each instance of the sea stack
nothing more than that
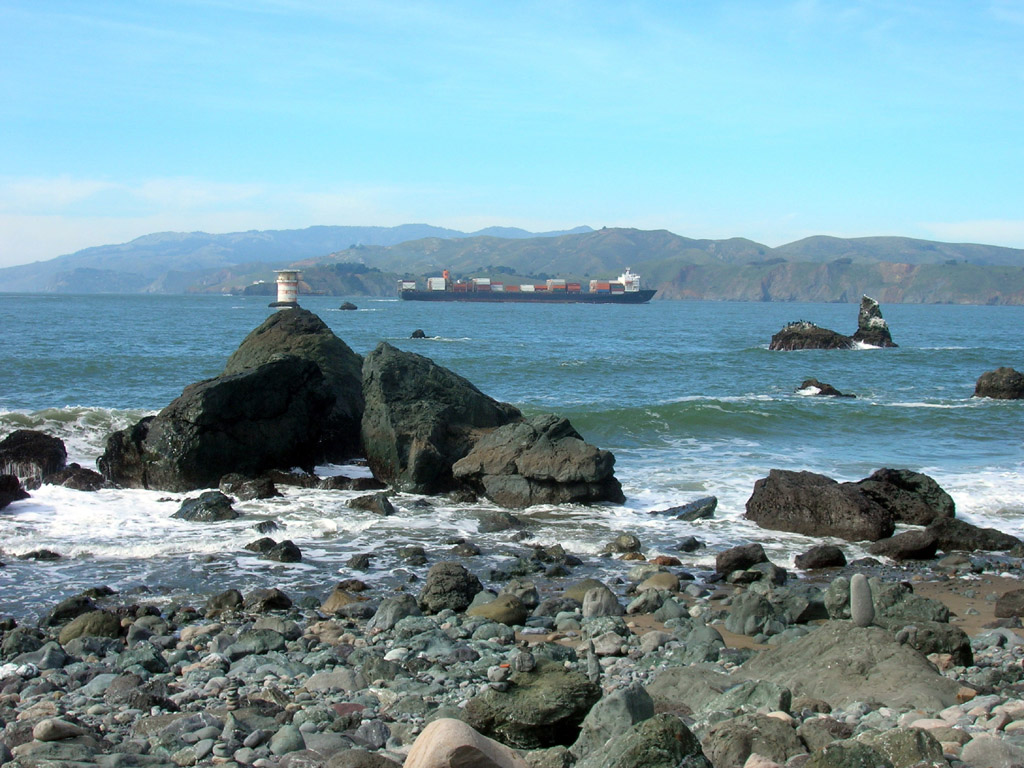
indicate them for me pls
(871, 326)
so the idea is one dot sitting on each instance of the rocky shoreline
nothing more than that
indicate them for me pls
(565, 673)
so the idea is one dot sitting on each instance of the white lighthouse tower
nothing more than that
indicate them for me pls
(287, 288)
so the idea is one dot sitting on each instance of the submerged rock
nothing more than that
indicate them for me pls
(820, 389)
(209, 507)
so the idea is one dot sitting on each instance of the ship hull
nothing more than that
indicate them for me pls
(535, 297)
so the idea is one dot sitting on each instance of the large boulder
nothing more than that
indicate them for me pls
(421, 418)
(543, 708)
(805, 335)
(300, 333)
(841, 664)
(10, 490)
(730, 742)
(912, 497)
(542, 460)
(30, 455)
(1002, 384)
(871, 326)
(816, 505)
(959, 536)
(248, 422)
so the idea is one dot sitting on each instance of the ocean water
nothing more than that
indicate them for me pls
(685, 394)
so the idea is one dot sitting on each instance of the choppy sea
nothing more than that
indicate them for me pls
(685, 394)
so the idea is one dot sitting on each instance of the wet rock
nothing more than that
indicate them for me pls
(418, 334)
(245, 423)
(1001, 384)
(957, 535)
(284, 552)
(228, 600)
(248, 488)
(77, 478)
(31, 455)
(347, 306)
(301, 334)
(820, 556)
(92, 624)
(910, 545)
(421, 418)
(805, 335)
(209, 507)
(448, 585)
(11, 490)
(871, 326)
(911, 497)
(739, 558)
(815, 505)
(263, 600)
(377, 503)
(542, 460)
(698, 509)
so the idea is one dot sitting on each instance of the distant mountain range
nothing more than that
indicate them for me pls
(369, 261)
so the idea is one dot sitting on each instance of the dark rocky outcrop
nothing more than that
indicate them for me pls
(911, 497)
(871, 326)
(816, 505)
(209, 507)
(30, 455)
(821, 389)
(348, 306)
(959, 536)
(11, 490)
(245, 423)
(77, 478)
(805, 335)
(421, 418)
(418, 334)
(871, 330)
(740, 558)
(1001, 384)
(248, 488)
(300, 333)
(542, 460)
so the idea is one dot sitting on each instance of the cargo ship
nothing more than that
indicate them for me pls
(625, 290)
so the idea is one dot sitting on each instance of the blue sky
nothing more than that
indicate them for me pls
(772, 121)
